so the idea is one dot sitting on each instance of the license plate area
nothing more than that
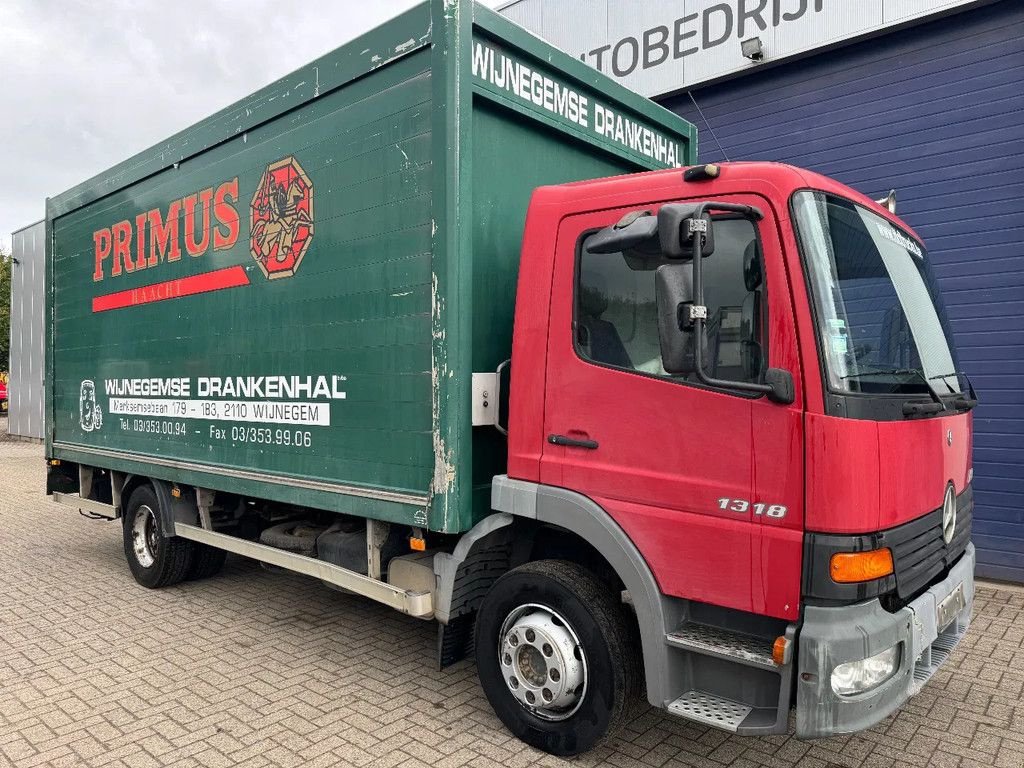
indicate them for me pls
(950, 608)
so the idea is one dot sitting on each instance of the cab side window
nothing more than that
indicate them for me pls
(616, 314)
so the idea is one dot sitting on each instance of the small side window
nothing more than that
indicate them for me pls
(616, 313)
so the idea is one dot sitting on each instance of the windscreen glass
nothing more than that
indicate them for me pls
(882, 326)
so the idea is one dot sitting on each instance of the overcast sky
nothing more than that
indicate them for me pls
(85, 84)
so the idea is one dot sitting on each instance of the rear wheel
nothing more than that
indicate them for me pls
(154, 559)
(207, 561)
(556, 657)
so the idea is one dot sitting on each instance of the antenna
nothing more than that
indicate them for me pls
(710, 129)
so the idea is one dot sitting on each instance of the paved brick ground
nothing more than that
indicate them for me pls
(261, 669)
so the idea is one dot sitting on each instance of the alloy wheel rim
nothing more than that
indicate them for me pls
(145, 537)
(542, 662)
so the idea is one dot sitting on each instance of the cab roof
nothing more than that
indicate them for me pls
(778, 180)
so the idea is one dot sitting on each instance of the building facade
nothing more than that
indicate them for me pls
(920, 96)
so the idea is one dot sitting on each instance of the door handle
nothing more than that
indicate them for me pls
(572, 442)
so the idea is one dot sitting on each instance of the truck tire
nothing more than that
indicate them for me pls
(155, 560)
(207, 561)
(298, 537)
(556, 657)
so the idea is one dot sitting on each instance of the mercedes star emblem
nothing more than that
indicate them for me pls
(948, 514)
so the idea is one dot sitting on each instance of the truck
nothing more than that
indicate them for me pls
(451, 321)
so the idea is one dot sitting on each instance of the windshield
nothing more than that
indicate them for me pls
(881, 322)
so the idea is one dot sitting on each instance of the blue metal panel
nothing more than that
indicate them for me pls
(936, 111)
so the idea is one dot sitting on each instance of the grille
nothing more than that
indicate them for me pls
(918, 551)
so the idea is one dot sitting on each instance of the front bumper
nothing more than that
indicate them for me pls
(833, 636)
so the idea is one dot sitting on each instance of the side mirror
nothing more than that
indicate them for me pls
(685, 230)
(674, 291)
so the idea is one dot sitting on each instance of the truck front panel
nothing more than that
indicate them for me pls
(747, 509)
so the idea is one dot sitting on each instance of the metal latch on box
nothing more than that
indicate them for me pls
(485, 399)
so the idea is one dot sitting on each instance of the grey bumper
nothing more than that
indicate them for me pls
(832, 636)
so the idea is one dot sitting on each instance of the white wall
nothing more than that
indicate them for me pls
(657, 47)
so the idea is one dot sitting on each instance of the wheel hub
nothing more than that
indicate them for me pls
(542, 662)
(145, 536)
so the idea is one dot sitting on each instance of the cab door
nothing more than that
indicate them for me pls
(671, 460)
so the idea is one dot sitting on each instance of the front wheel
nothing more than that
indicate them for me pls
(155, 560)
(556, 657)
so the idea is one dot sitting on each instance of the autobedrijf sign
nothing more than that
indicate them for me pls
(660, 46)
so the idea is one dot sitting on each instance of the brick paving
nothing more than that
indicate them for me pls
(254, 668)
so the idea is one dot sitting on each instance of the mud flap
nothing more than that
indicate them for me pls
(455, 640)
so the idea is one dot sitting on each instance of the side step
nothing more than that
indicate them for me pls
(723, 644)
(729, 678)
(707, 708)
(935, 655)
(418, 604)
(720, 712)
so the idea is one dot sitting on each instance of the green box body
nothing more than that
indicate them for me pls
(348, 241)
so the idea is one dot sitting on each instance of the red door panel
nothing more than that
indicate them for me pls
(689, 473)
(660, 455)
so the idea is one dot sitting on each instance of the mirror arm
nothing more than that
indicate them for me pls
(779, 391)
(699, 313)
(751, 212)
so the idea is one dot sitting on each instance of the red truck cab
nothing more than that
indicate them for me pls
(808, 480)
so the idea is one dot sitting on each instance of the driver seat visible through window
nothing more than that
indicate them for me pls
(599, 338)
(616, 313)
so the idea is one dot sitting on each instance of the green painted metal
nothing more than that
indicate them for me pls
(422, 142)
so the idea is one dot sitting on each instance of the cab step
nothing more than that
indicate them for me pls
(729, 715)
(709, 709)
(724, 644)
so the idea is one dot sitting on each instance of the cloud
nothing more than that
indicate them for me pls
(85, 85)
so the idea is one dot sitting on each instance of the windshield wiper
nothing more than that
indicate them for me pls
(964, 402)
(910, 409)
(881, 371)
(922, 409)
(945, 376)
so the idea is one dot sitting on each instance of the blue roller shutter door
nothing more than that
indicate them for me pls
(937, 112)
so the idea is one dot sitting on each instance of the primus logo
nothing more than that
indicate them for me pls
(156, 235)
(280, 233)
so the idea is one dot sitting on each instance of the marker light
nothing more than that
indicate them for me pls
(701, 172)
(855, 677)
(781, 651)
(853, 567)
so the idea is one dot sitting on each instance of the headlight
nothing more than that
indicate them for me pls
(855, 677)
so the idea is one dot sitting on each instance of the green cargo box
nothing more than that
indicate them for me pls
(288, 299)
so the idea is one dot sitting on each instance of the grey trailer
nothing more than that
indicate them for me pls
(25, 385)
